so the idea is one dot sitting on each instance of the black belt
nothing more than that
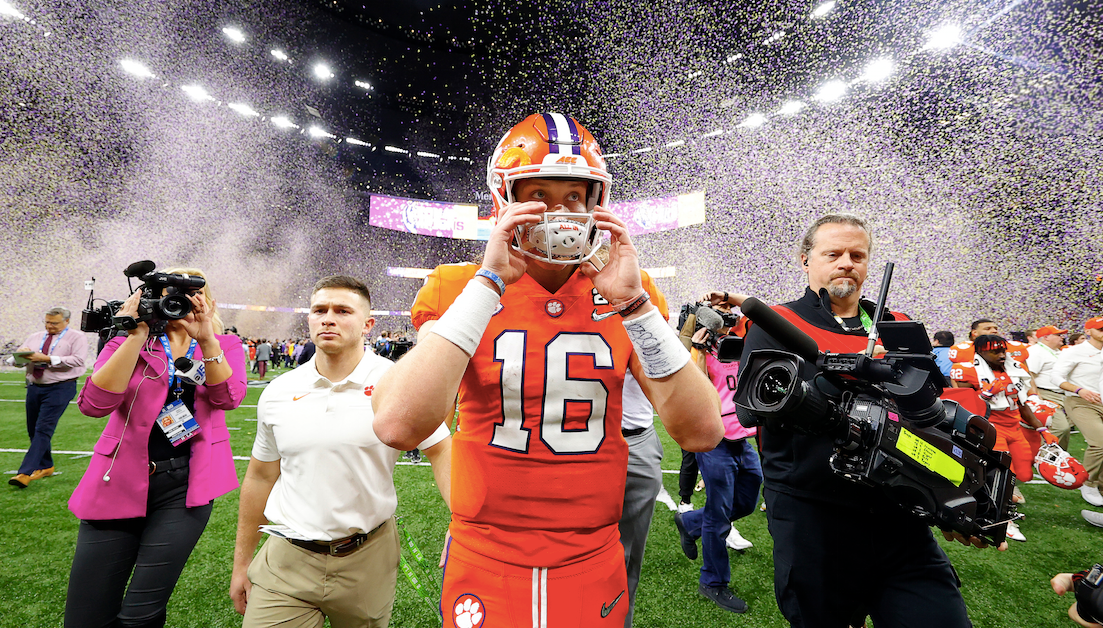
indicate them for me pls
(340, 547)
(635, 431)
(64, 381)
(172, 464)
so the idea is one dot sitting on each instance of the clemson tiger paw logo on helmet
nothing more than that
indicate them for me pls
(468, 612)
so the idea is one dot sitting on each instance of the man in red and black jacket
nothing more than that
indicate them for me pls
(832, 535)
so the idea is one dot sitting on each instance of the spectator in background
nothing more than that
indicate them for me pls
(1077, 372)
(1032, 337)
(1076, 338)
(943, 341)
(54, 359)
(307, 352)
(383, 345)
(264, 354)
(1040, 362)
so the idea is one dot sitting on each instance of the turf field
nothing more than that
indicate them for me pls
(1002, 590)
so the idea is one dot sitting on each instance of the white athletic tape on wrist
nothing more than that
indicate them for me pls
(466, 319)
(657, 345)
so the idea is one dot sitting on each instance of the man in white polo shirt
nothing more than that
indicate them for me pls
(1040, 362)
(324, 480)
(1077, 372)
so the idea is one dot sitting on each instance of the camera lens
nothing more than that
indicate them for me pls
(175, 307)
(773, 385)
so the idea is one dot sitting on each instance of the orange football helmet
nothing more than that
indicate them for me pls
(551, 146)
(1059, 468)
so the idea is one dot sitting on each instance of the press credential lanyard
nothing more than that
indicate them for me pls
(54, 344)
(867, 322)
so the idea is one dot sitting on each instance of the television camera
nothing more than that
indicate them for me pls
(164, 298)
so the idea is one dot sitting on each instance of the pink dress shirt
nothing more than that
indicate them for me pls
(121, 453)
(68, 353)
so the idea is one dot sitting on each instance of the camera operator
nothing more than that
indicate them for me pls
(731, 472)
(162, 459)
(843, 551)
(1088, 609)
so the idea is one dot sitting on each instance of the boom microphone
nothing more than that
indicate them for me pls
(710, 319)
(780, 329)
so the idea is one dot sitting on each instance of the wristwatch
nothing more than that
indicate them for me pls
(218, 358)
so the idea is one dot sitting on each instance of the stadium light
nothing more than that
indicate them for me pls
(715, 133)
(243, 109)
(322, 71)
(356, 142)
(136, 68)
(422, 153)
(878, 70)
(280, 55)
(675, 143)
(284, 122)
(753, 121)
(645, 149)
(197, 93)
(831, 91)
(395, 149)
(734, 57)
(608, 156)
(944, 38)
(7, 9)
(823, 9)
(792, 107)
(234, 34)
(363, 85)
(316, 131)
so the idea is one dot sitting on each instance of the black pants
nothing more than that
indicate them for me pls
(45, 405)
(687, 476)
(834, 566)
(154, 548)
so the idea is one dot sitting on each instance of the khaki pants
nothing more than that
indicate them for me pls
(1088, 417)
(296, 588)
(1060, 425)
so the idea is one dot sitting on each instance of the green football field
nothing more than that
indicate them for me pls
(1002, 590)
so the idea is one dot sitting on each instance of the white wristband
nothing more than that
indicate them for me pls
(657, 345)
(466, 319)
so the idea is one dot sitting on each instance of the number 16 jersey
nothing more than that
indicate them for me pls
(538, 460)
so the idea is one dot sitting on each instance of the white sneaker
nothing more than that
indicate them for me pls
(1013, 532)
(1017, 496)
(1091, 495)
(684, 507)
(1092, 517)
(665, 499)
(737, 542)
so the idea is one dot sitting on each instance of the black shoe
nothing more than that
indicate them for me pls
(724, 598)
(689, 545)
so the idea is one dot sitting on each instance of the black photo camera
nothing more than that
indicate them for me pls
(708, 317)
(891, 427)
(164, 298)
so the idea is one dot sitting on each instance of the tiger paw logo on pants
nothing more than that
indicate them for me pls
(468, 612)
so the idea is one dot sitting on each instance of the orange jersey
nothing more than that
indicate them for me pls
(963, 352)
(1008, 417)
(538, 460)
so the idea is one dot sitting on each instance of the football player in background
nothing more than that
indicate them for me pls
(963, 352)
(536, 342)
(1003, 383)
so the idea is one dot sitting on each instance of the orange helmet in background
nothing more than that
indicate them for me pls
(551, 146)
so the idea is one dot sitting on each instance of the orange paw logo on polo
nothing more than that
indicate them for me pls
(469, 612)
(368, 390)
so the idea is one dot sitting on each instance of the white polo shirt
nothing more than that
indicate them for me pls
(336, 476)
(1040, 361)
(1079, 365)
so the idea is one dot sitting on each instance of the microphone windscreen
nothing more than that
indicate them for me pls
(710, 319)
(137, 269)
(183, 363)
(788, 334)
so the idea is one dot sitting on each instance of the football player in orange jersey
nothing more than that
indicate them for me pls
(962, 352)
(533, 344)
(1002, 383)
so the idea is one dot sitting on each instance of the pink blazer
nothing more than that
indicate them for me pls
(212, 470)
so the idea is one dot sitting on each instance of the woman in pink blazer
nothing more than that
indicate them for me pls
(146, 496)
